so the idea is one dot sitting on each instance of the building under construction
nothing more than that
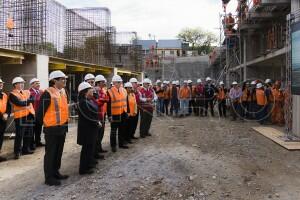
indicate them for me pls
(256, 44)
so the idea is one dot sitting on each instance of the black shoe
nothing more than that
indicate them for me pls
(60, 176)
(123, 147)
(40, 144)
(27, 152)
(98, 156)
(130, 142)
(143, 136)
(52, 182)
(32, 147)
(17, 156)
(134, 138)
(103, 151)
(114, 149)
(2, 159)
(149, 134)
(89, 171)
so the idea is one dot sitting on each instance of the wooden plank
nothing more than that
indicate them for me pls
(277, 137)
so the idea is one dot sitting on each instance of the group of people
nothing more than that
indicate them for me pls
(256, 100)
(123, 104)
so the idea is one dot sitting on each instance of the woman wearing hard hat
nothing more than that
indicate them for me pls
(23, 116)
(4, 114)
(53, 112)
(88, 127)
(132, 112)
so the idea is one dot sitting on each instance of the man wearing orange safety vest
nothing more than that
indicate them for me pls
(221, 96)
(23, 111)
(53, 112)
(261, 104)
(117, 113)
(132, 112)
(4, 114)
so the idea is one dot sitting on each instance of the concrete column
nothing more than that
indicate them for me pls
(42, 70)
(115, 72)
(245, 57)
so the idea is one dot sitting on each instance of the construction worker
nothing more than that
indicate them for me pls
(235, 95)
(4, 115)
(184, 97)
(167, 98)
(253, 102)
(270, 99)
(102, 100)
(132, 112)
(88, 127)
(36, 93)
(160, 101)
(221, 97)
(137, 94)
(146, 101)
(261, 104)
(117, 113)
(199, 92)
(209, 93)
(245, 100)
(192, 97)
(174, 95)
(278, 110)
(23, 111)
(53, 112)
(90, 78)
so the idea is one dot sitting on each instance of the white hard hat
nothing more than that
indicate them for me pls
(117, 78)
(1, 81)
(158, 81)
(174, 82)
(18, 80)
(165, 82)
(89, 77)
(268, 81)
(133, 80)
(84, 85)
(208, 79)
(177, 83)
(57, 74)
(128, 85)
(234, 83)
(185, 81)
(253, 83)
(221, 83)
(259, 85)
(147, 80)
(34, 80)
(189, 81)
(99, 78)
(199, 81)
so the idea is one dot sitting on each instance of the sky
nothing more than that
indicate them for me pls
(163, 19)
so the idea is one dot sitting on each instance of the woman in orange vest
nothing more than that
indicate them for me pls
(117, 113)
(23, 111)
(88, 127)
(4, 114)
(261, 104)
(278, 111)
(53, 112)
(132, 112)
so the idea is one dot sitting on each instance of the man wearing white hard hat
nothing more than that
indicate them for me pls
(261, 98)
(160, 98)
(200, 101)
(147, 107)
(36, 93)
(184, 98)
(132, 112)
(88, 127)
(235, 95)
(117, 109)
(221, 96)
(253, 103)
(209, 92)
(192, 101)
(166, 98)
(174, 97)
(136, 89)
(53, 113)
(90, 78)
(4, 114)
(270, 99)
(101, 99)
(23, 111)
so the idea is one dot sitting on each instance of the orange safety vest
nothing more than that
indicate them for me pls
(161, 94)
(118, 100)
(22, 111)
(57, 113)
(245, 95)
(132, 105)
(221, 94)
(3, 104)
(10, 24)
(261, 97)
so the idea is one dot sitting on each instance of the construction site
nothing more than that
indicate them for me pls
(221, 149)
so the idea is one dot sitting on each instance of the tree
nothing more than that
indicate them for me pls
(198, 39)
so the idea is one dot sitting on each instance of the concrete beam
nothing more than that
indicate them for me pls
(274, 2)
(250, 26)
(263, 15)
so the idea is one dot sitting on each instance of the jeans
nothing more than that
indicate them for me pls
(184, 106)
(174, 106)
(160, 106)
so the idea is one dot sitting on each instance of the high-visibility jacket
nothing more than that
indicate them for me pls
(57, 113)
(3, 103)
(10, 24)
(167, 93)
(221, 94)
(184, 93)
(245, 95)
(118, 100)
(132, 105)
(160, 92)
(261, 97)
(22, 111)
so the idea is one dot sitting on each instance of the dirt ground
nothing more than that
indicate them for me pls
(190, 158)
